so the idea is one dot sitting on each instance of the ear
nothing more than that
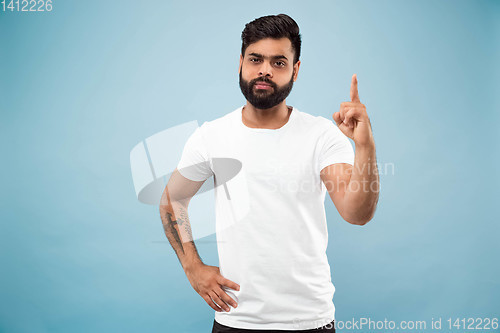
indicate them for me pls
(241, 62)
(296, 70)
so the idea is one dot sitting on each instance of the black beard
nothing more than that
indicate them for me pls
(265, 99)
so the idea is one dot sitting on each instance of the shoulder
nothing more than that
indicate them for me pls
(225, 122)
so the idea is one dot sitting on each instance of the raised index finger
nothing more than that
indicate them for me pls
(354, 89)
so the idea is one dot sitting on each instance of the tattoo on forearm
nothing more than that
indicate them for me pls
(184, 222)
(171, 232)
(177, 228)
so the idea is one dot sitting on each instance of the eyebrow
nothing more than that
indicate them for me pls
(258, 55)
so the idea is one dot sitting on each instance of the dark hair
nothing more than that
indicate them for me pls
(272, 26)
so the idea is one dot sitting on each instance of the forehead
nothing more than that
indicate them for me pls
(271, 47)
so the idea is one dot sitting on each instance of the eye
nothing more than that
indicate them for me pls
(280, 63)
(254, 60)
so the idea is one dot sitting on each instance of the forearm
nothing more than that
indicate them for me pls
(362, 192)
(174, 216)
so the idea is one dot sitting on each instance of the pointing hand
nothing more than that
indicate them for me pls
(353, 120)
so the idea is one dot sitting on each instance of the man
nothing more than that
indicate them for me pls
(270, 216)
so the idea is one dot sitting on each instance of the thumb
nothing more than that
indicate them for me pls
(336, 118)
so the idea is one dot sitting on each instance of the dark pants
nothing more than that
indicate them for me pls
(219, 328)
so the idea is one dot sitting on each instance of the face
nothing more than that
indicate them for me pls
(267, 72)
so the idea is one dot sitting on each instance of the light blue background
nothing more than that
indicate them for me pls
(80, 86)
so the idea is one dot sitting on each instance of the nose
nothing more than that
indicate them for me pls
(265, 70)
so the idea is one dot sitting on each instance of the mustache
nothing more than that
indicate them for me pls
(263, 79)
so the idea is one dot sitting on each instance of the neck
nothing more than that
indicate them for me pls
(272, 118)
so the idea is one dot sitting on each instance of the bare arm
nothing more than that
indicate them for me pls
(205, 280)
(175, 219)
(362, 193)
(354, 189)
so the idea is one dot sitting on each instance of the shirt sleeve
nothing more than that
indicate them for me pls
(194, 163)
(334, 147)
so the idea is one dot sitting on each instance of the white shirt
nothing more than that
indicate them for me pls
(270, 216)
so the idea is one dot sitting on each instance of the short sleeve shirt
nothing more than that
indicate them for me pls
(270, 217)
